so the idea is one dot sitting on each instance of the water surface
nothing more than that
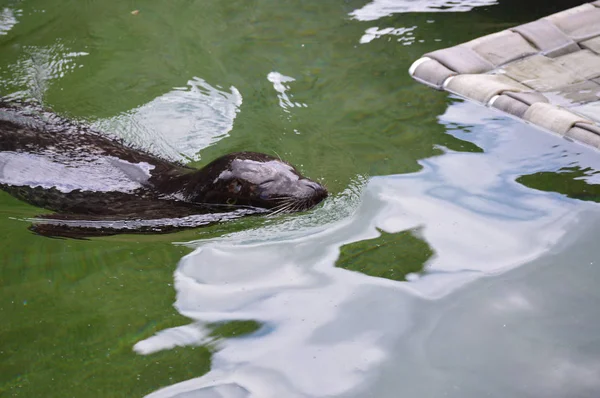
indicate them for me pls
(455, 256)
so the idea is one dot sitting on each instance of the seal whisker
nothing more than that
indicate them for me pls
(229, 206)
(282, 209)
(284, 199)
(279, 211)
(275, 152)
(283, 203)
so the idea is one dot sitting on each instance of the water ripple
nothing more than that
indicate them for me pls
(8, 19)
(330, 329)
(181, 122)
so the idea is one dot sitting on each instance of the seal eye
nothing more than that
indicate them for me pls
(231, 201)
(266, 182)
(235, 187)
(265, 186)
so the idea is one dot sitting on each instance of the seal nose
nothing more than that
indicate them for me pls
(311, 184)
(318, 191)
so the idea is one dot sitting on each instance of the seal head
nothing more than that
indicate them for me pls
(256, 180)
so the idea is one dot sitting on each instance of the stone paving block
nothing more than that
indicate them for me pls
(590, 110)
(502, 47)
(482, 87)
(547, 37)
(579, 23)
(570, 12)
(552, 118)
(431, 72)
(546, 72)
(585, 63)
(510, 105)
(541, 73)
(575, 94)
(591, 127)
(461, 59)
(591, 44)
(516, 103)
(583, 135)
(528, 98)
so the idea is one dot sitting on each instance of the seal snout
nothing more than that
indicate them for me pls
(316, 192)
(313, 185)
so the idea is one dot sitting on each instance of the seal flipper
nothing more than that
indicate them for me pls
(82, 229)
(79, 226)
(79, 214)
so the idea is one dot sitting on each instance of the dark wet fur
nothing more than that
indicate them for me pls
(85, 213)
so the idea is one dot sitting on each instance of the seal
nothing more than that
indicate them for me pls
(98, 185)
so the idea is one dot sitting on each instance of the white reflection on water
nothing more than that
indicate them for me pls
(181, 122)
(285, 102)
(328, 331)
(531, 332)
(32, 74)
(383, 8)
(178, 124)
(405, 35)
(8, 20)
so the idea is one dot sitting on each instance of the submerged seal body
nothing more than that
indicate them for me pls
(100, 186)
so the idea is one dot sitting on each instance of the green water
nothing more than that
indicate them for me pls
(72, 310)
(391, 256)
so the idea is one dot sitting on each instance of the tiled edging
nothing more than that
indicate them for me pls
(545, 72)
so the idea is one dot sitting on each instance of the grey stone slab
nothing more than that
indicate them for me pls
(562, 51)
(482, 87)
(591, 44)
(546, 72)
(585, 63)
(591, 127)
(541, 73)
(550, 40)
(579, 23)
(552, 117)
(590, 110)
(575, 94)
(431, 72)
(461, 59)
(502, 47)
(527, 97)
(510, 105)
(584, 135)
